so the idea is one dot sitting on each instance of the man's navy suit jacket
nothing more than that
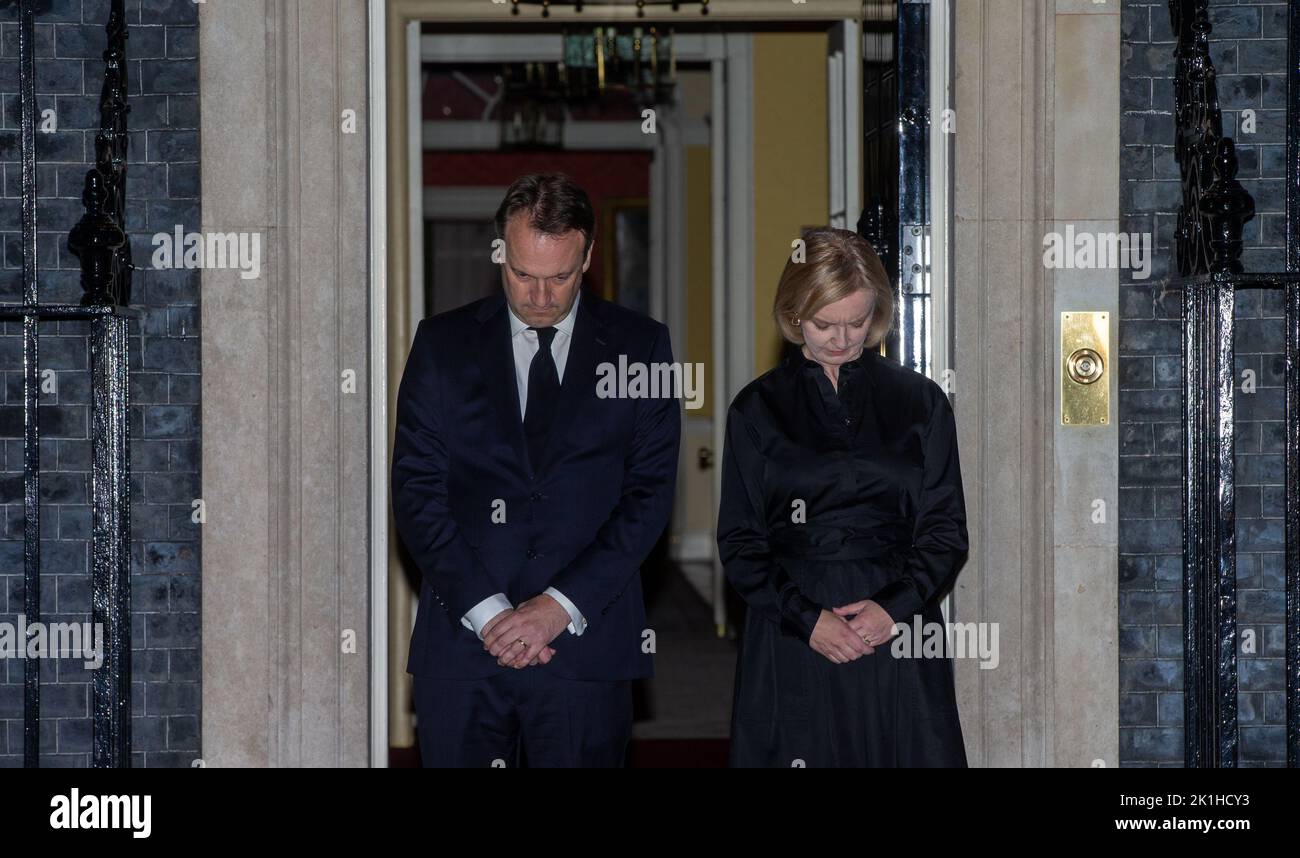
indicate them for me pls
(583, 522)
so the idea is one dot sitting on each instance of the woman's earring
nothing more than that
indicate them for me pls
(796, 321)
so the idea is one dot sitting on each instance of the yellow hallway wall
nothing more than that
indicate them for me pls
(699, 265)
(790, 165)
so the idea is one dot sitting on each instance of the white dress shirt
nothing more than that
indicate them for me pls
(524, 342)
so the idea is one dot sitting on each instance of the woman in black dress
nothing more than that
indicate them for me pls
(841, 514)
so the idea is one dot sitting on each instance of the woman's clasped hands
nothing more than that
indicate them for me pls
(851, 631)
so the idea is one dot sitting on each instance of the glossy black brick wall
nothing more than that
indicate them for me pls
(1248, 46)
(163, 192)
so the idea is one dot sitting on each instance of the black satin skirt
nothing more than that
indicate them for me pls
(794, 707)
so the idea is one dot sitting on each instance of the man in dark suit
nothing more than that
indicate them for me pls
(529, 501)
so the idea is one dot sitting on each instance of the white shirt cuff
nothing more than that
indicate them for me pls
(579, 622)
(484, 611)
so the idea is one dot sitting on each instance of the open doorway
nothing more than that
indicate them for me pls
(758, 135)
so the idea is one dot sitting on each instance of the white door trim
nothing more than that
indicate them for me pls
(844, 116)
(940, 191)
(939, 252)
(414, 179)
(733, 271)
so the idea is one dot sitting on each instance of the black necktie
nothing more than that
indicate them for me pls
(543, 392)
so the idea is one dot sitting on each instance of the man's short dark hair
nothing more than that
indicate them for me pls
(555, 205)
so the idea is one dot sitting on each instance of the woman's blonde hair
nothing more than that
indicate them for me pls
(837, 264)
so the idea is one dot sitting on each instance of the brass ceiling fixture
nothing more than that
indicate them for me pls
(579, 4)
(635, 67)
(637, 61)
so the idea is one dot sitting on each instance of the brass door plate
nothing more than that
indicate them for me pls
(1085, 368)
